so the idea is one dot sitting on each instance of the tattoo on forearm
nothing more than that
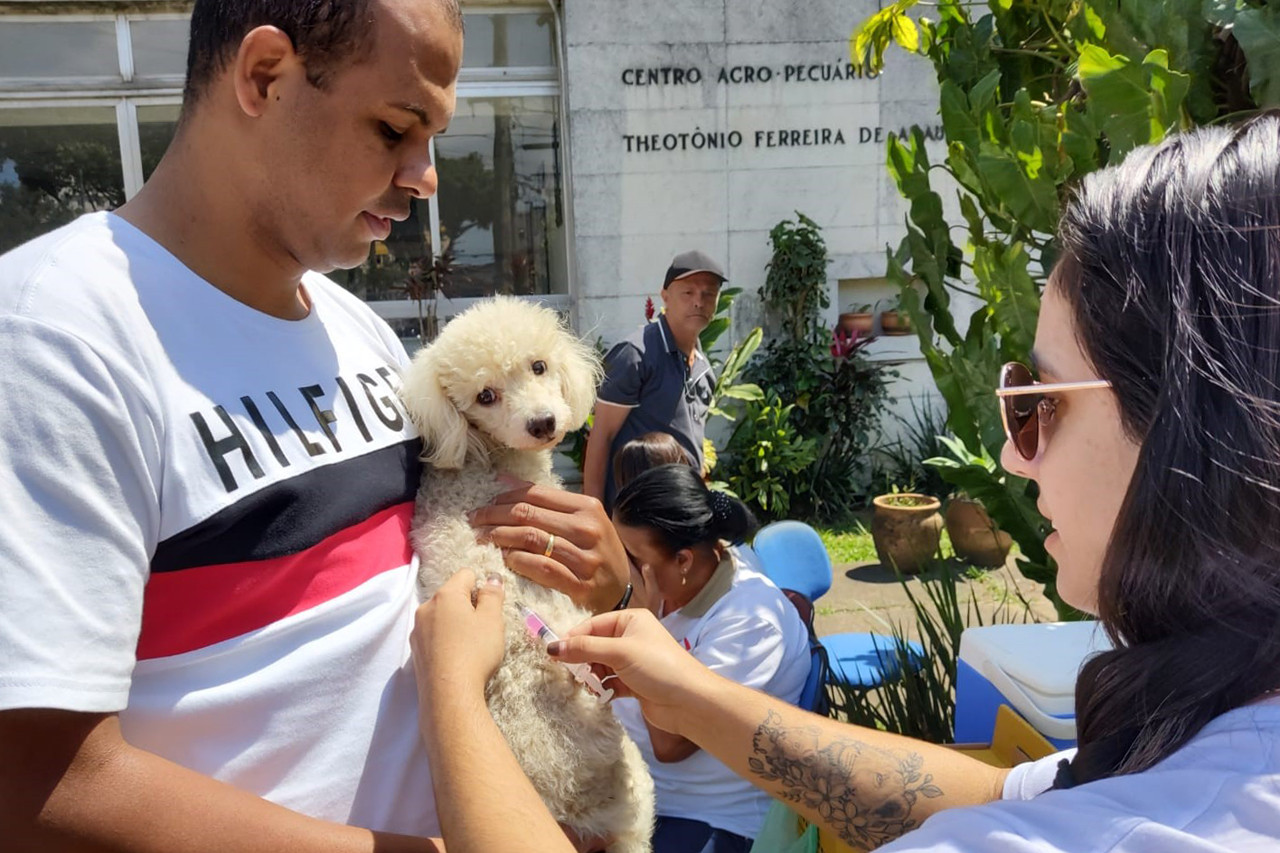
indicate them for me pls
(864, 793)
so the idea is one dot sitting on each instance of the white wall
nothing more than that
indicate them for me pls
(634, 209)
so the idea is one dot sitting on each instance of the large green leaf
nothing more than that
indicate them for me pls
(1258, 33)
(905, 33)
(745, 391)
(1118, 98)
(1131, 103)
(1011, 294)
(957, 119)
(1031, 200)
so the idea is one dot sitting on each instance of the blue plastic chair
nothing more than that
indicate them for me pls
(794, 557)
(813, 696)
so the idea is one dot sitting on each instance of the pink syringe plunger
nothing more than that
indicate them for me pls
(582, 673)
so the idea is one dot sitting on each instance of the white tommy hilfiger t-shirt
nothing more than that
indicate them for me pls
(206, 513)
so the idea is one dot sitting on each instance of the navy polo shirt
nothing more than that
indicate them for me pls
(647, 373)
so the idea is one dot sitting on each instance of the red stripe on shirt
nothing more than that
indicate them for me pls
(193, 608)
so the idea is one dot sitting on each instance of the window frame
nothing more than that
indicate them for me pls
(127, 92)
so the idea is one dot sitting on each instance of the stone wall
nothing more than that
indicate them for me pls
(700, 124)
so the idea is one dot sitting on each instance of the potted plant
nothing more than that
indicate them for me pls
(893, 321)
(974, 536)
(858, 320)
(906, 529)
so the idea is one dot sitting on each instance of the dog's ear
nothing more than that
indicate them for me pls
(579, 370)
(444, 430)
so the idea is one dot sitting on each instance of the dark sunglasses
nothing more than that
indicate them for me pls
(1024, 408)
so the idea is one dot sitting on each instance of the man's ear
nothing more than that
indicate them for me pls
(266, 56)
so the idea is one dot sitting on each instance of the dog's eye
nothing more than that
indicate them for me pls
(487, 397)
(539, 368)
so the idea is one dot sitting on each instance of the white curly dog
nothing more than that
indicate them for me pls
(493, 394)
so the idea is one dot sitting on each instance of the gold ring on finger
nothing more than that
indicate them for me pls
(551, 545)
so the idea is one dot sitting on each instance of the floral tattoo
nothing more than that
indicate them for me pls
(865, 793)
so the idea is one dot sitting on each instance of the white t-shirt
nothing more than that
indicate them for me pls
(205, 515)
(1220, 793)
(742, 627)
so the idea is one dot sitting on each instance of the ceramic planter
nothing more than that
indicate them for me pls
(895, 323)
(861, 323)
(906, 536)
(974, 536)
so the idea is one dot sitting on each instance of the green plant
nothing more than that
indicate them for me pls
(425, 281)
(1035, 94)
(574, 444)
(906, 499)
(978, 475)
(768, 457)
(728, 371)
(730, 368)
(795, 289)
(836, 392)
(837, 399)
(903, 460)
(921, 702)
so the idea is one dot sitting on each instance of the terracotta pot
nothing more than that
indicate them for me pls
(895, 323)
(974, 536)
(863, 324)
(906, 536)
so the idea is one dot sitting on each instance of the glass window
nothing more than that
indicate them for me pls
(501, 205)
(159, 48)
(58, 50)
(501, 218)
(402, 269)
(156, 126)
(507, 41)
(55, 164)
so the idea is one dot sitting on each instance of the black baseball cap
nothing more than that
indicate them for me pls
(687, 263)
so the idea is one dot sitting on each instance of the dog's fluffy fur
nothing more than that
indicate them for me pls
(542, 380)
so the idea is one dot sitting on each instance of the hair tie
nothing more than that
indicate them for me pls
(721, 505)
(1064, 778)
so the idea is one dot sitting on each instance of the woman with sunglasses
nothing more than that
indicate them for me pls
(1152, 427)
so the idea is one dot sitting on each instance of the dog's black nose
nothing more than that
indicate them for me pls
(542, 427)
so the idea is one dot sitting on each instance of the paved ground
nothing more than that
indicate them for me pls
(867, 597)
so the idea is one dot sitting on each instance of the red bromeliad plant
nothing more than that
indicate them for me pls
(845, 343)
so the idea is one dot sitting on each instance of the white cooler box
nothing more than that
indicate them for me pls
(1031, 668)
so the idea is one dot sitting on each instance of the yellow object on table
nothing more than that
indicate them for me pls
(1013, 742)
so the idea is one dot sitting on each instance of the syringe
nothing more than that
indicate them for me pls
(582, 673)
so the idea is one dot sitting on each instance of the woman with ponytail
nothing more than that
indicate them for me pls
(734, 620)
(1150, 420)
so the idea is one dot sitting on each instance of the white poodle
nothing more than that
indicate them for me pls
(494, 393)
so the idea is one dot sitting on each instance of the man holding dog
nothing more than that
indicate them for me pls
(207, 477)
(657, 379)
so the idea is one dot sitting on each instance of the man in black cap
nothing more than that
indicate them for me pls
(658, 379)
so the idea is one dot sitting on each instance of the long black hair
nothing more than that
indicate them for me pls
(1171, 266)
(672, 501)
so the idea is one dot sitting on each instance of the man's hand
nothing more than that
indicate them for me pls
(457, 638)
(585, 560)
